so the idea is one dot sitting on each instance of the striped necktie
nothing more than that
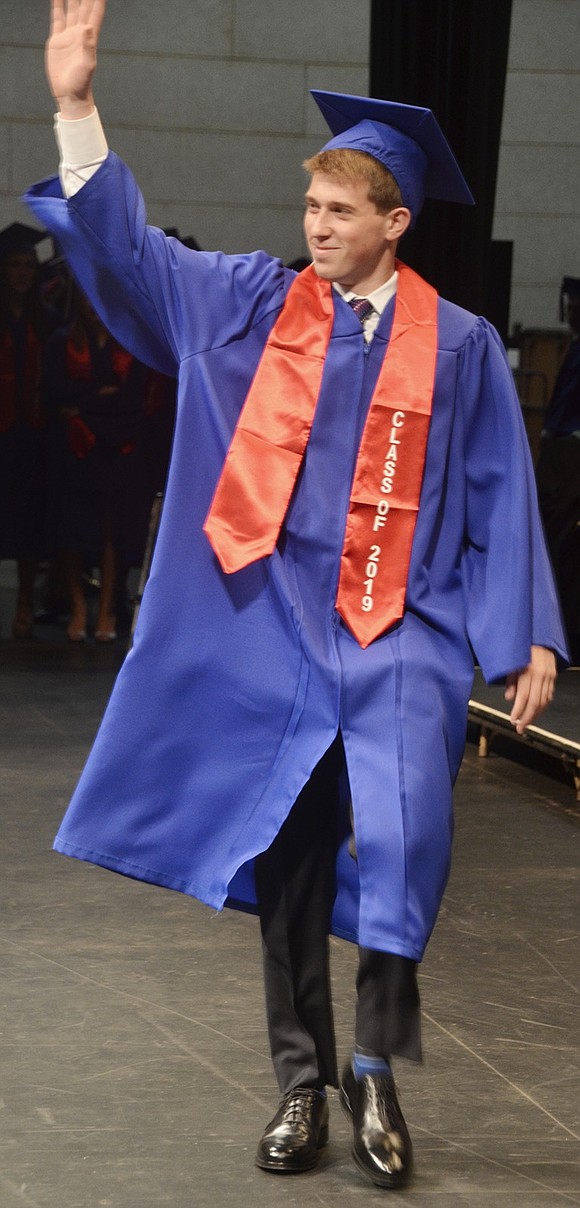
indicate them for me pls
(362, 308)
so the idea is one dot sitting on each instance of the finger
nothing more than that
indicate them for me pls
(516, 719)
(517, 692)
(91, 12)
(57, 17)
(532, 703)
(86, 12)
(529, 715)
(511, 685)
(520, 713)
(99, 7)
(544, 692)
(522, 720)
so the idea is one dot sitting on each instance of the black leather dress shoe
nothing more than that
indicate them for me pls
(382, 1145)
(292, 1140)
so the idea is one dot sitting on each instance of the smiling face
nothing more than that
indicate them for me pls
(349, 240)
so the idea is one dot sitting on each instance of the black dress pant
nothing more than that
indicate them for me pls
(296, 887)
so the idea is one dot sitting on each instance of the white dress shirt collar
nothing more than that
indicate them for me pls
(379, 298)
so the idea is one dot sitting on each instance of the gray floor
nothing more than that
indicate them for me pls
(134, 1066)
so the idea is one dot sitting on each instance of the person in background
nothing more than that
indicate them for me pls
(25, 325)
(558, 470)
(100, 489)
(350, 513)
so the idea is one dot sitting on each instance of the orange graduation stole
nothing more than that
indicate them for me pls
(266, 451)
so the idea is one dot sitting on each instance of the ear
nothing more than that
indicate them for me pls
(397, 222)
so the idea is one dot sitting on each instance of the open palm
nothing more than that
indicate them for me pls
(71, 50)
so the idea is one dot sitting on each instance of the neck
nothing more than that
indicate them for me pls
(367, 284)
(388, 286)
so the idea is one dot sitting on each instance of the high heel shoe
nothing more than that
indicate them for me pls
(74, 634)
(105, 635)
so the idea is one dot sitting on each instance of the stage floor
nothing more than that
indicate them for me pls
(135, 1070)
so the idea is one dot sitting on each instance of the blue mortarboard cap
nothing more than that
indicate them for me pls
(405, 138)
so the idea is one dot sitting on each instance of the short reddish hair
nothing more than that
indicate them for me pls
(349, 165)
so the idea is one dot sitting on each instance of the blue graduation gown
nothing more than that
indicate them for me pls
(236, 685)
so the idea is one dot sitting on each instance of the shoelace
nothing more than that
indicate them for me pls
(295, 1101)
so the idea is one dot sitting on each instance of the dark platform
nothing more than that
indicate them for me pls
(135, 1071)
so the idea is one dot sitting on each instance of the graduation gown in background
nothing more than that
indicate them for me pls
(98, 468)
(236, 685)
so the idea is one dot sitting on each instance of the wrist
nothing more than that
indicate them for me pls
(73, 108)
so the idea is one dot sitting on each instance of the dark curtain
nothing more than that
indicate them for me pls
(450, 56)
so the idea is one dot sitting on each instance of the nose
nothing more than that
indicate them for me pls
(319, 226)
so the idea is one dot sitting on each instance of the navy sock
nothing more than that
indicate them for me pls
(363, 1065)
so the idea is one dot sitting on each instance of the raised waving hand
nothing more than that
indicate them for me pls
(71, 53)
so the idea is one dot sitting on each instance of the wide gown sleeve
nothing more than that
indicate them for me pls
(160, 300)
(510, 597)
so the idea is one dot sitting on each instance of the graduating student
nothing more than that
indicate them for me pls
(558, 471)
(350, 513)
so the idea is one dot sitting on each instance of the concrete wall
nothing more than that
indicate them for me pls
(538, 195)
(209, 105)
